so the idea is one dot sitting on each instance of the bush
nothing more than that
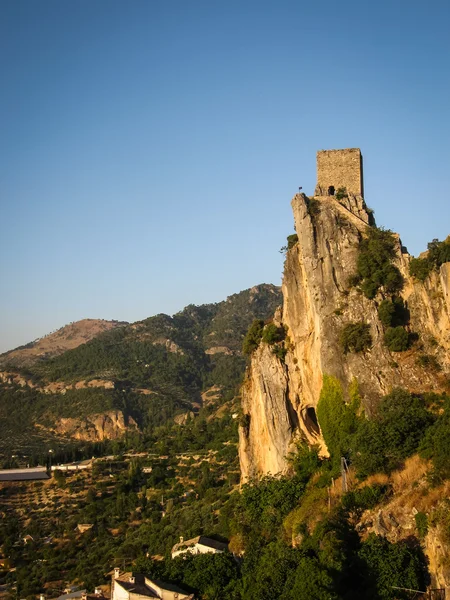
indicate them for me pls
(420, 268)
(253, 336)
(354, 280)
(438, 254)
(421, 524)
(428, 362)
(356, 337)
(338, 421)
(374, 265)
(386, 313)
(394, 433)
(313, 207)
(436, 443)
(357, 501)
(391, 566)
(393, 312)
(396, 339)
(292, 240)
(272, 334)
(280, 352)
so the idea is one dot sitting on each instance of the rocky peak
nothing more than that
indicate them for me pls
(279, 398)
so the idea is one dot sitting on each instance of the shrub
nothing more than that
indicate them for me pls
(341, 193)
(428, 362)
(393, 312)
(436, 443)
(438, 254)
(421, 524)
(292, 240)
(280, 352)
(390, 566)
(313, 207)
(386, 313)
(357, 501)
(338, 421)
(393, 434)
(420, 268)
(356, 337)
(374, 264)
(253, 336)
(272, 334)
(396, 339)
(354, 280)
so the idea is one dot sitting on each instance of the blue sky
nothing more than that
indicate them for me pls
(149, 149)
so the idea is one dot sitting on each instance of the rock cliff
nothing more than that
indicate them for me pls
(280, 398)
(106, 426)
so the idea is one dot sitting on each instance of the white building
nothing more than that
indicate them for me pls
(75, 466)
(198, 545)
(134, 586)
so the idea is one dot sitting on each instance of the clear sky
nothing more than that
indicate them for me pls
(149, 149)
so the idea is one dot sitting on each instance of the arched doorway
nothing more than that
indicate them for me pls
(331, 190)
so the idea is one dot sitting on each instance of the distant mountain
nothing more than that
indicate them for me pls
(56, 343)
(123, 377)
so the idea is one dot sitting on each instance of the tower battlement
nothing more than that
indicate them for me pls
(339, 169)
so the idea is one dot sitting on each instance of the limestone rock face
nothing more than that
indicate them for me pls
(265, 436)
(110, 425)
(280, 399)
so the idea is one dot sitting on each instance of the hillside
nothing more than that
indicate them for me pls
(132, 377)
(56, 343)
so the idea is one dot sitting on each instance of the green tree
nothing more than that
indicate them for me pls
(396, 339)
(356, 337)
(374, 265)
(338, 420)
(436, 443)
(393, 434)
(393, 566)
(253, 336)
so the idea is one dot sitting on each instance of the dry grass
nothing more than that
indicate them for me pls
(414, 470)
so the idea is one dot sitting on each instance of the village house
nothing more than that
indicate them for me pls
(198, 545)
(135, 586)
(82, 595)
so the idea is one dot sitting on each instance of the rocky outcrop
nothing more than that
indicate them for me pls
(279, 400)
(219, 350)
(106, 426)
(268, 423)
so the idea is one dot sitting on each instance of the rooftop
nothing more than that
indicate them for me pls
(142, 585)
(200, 539)
(23, 474)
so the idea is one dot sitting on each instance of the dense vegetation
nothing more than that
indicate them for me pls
(375, 268)
(438, 254)
(176, 359)
(400, 425)
(270, 334)
(356, 337)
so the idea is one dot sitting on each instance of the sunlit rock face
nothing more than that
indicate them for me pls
(280, 399)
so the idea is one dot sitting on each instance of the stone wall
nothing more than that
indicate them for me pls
(340, 169)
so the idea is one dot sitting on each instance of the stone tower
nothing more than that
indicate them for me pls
(339, 169)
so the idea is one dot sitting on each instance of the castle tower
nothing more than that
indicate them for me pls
(339, 169)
